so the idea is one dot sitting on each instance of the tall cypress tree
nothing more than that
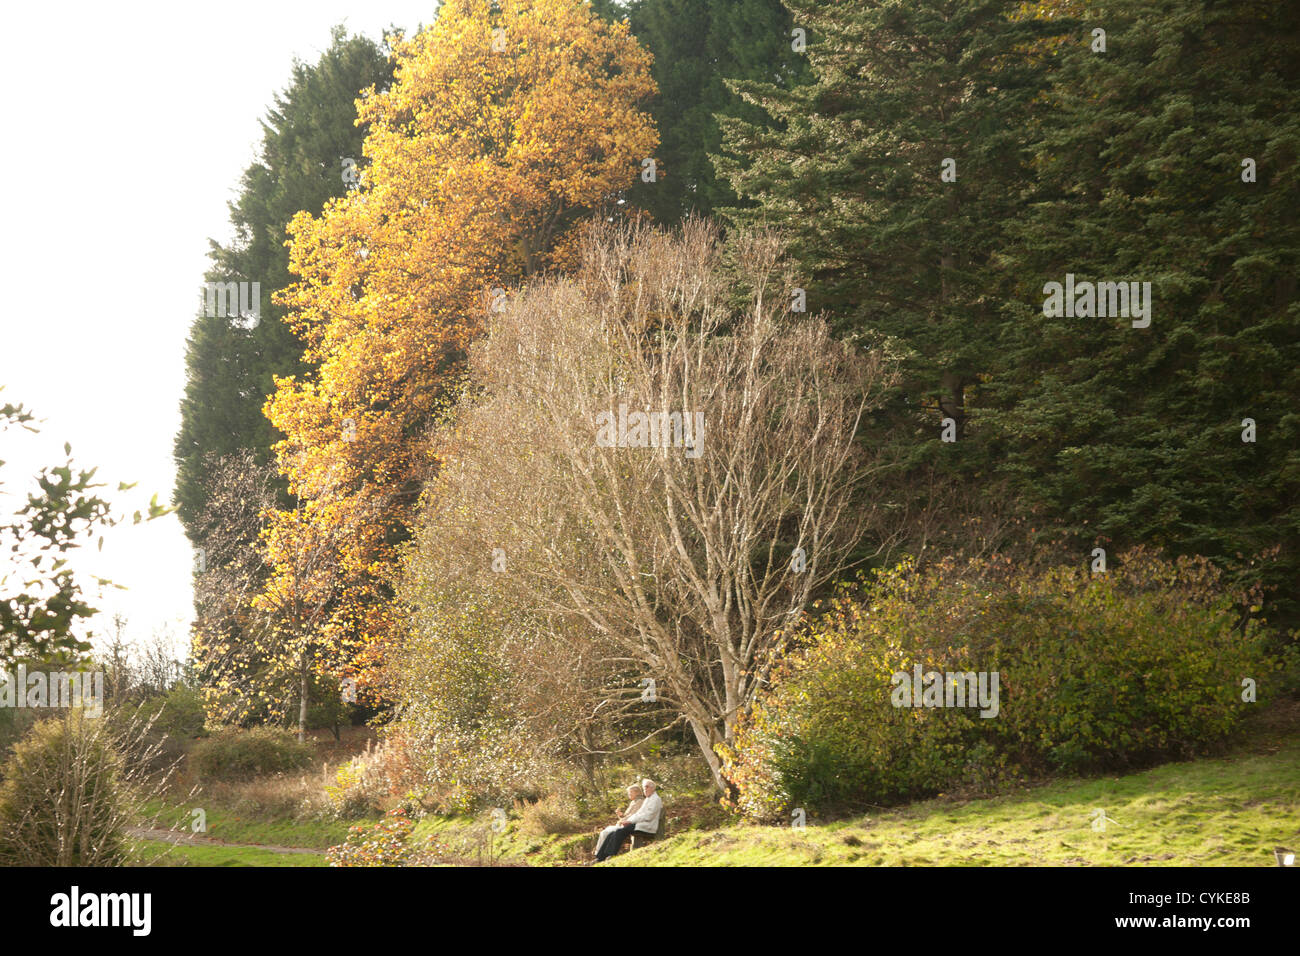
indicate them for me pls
(699, 47)
(230, 367)
(1171, 158)
(894, 176)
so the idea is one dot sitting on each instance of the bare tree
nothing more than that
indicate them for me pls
(230, 570)
(298, 596)
(265, 582)
(640, 460)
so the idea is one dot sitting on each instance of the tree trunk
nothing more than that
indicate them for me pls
(953, 401)
(587, 759)
(302, 702)
(706, 736)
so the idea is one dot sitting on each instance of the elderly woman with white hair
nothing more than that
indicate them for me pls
(636, 798)
(644, 819)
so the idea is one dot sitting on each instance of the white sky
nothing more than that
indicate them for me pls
(127, 126)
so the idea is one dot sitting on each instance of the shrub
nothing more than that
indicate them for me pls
(555, 813)
(470, 769)
(286, 796)
(353, 793)
(68, 797)
(168, 720)
(1289, 654)
(178, 714)
(234, 754)
(480, 693)
(386, 843)
(371, 779)
(15, 722)
(1096, 671)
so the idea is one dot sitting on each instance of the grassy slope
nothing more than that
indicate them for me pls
(155, 853)
(1212, 812)
(237, 821)
(226, 824)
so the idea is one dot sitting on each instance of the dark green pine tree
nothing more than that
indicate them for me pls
(699, 45)
(230, 367)
(894, 177)
(1136, 434)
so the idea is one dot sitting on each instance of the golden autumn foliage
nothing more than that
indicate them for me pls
(503, 131)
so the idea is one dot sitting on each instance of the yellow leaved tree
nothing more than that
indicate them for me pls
(505, 129)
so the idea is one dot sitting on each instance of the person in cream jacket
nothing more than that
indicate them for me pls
(644, 820)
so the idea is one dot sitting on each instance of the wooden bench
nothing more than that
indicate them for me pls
(638, 839)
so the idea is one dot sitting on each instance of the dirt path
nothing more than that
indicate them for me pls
(180, 838)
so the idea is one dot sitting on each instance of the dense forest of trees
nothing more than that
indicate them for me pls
(1062, 235)
(308, 134)
(311, 148)
(801, 408)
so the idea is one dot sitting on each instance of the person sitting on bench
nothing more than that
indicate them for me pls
(644, 820)
(635, 798)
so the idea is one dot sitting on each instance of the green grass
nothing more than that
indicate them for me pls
(156, 853)
(232, 826)
(1227, 811)
(692, 804)
(1215, 811)
(468, 837)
